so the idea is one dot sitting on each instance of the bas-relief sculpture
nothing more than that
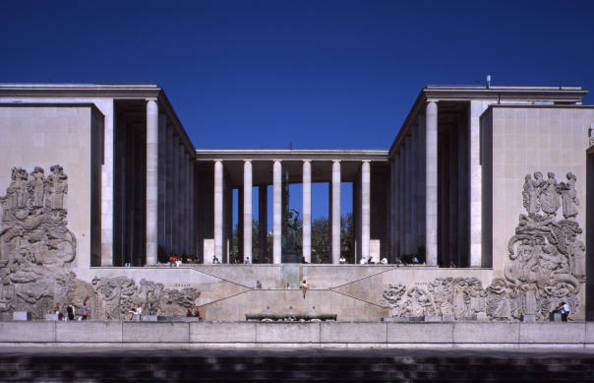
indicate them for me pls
(37, 251)
(546, 265)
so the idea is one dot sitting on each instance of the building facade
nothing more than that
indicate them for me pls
(488, 186)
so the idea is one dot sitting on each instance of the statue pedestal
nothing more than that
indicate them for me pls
(51, 317)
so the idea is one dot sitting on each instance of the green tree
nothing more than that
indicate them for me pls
(320, 241)
(346, 237)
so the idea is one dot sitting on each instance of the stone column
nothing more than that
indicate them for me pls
(431, 160)
(170, 189)
(335, 238)
(108, 175)
(184, 207)
(247, 209)
(161, 226)
(395, 238)
(277, 213)
(307, 210)
(365, 208)
(407, 194)
(218, 210)
(401, 200)
(476, 109)
(240, 226)
(152, 180)
(262, 222)
(414, 207)
(421, 182)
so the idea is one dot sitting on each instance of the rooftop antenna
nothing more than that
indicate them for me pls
(488, 81)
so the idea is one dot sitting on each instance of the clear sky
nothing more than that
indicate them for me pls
(314, 74)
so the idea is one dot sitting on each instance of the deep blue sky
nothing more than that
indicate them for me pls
(317, 74)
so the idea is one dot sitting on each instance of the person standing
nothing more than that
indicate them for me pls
(70, 312)
(84, 312)
(304, 287)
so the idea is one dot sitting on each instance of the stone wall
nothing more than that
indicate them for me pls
(363, 335)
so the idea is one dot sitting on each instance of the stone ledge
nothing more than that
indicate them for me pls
(309, 335)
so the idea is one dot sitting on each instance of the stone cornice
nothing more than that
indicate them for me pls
(81, 90)
(291, 155)
(115, 91)
(565, 94)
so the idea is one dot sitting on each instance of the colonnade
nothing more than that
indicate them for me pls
(413, 203)
(170, 184)
(247, 206)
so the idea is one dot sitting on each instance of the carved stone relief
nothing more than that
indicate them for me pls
(546, 265)
(36, 247)
(116, 296)
(37, 251)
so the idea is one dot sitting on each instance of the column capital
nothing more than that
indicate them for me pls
(247, 161)
(366, 161)
(217, 160)
(307, 160)
(154, 99)
(336, 161)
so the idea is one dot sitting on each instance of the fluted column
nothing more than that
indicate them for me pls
(335, 212)
(247, 209)
(431, 183)
(365, 208)
(307, 210)
(152, 180)
(218, 210)
(277, 213)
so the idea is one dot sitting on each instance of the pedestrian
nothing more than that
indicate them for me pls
(304, 287)
(70, 312)
(84, 312)
(564, 310)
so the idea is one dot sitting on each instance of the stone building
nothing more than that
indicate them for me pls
(488, 186)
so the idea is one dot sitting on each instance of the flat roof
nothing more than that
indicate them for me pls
(292, 154)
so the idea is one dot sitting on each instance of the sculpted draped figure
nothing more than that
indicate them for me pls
(57, 187)
(569, 198)
(546, 265)
(549, 196)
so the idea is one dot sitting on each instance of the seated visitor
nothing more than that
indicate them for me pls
(363, 261)
(564, 310)
(247, 260)
(384, 261)
(342, 260)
